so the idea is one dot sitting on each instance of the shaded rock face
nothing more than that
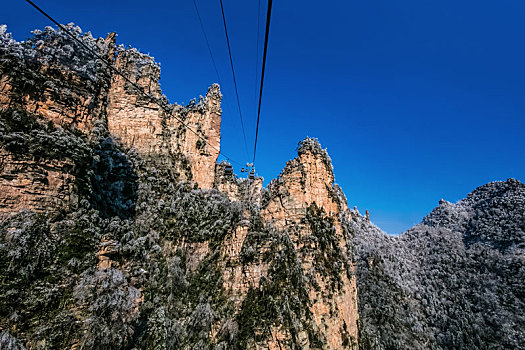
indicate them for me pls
(113, 180)
(119, 230)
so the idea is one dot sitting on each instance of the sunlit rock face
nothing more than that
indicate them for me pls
(186, 137)
(48, 89)
(302, 211)
(39, 186)
(50, 76)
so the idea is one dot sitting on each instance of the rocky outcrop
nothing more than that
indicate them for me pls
(52, 76)
(238, 189)
(302, 211)
(301, 200)
(53, 79)
(186, 137)
(49, 89)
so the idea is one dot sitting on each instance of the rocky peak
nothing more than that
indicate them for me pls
(139, 68)
(304, 201)
(306, 179)
(311, 145)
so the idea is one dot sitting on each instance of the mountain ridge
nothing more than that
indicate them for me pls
(120, 230)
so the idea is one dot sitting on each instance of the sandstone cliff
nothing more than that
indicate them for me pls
(142, 124)
(51, 78)
(120, 230)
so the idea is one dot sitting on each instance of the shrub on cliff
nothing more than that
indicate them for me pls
(53, 47)
(26, 135)
(109, 305)
(10, 343)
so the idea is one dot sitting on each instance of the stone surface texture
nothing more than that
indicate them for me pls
(67, 99)
(36, 185)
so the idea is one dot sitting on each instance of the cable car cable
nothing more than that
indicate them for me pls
(233, 73)
(268, 16)
(135, 85)
(207, 41)
(257, 54)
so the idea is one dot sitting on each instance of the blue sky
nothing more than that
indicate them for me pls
(416, 100)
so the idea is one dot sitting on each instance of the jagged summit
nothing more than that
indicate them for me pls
(312, 145)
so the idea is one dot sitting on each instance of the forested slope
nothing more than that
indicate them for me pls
(455, 281)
